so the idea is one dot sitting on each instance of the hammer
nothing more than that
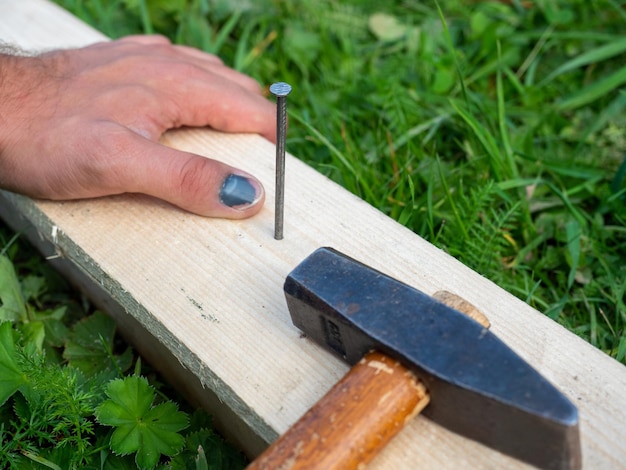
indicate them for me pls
(409, 349)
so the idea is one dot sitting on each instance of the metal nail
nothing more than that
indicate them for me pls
(280, 90)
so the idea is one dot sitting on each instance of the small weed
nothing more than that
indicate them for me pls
(68, 397)
(141, 427)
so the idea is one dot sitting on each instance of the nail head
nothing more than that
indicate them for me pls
(280, 89)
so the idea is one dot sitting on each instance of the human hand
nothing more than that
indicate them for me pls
(85, 123)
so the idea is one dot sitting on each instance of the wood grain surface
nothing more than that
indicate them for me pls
(210, 291)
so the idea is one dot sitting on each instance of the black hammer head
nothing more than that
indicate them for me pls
(479, 387)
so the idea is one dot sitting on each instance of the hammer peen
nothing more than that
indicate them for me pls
(410, 350)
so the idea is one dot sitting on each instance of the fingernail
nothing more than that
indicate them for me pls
(239, 192)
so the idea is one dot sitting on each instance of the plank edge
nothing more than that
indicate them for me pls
(233, 418)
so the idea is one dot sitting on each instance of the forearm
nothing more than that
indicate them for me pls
(11, 96)
(27, 94)
(9, 92)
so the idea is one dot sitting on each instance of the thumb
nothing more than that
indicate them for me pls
(200, 185)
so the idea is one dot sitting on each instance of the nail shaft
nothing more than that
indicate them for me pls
(280, 90)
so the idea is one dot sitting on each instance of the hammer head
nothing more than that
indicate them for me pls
(479, 387)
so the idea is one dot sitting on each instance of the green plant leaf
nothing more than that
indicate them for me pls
(206, 449)
(90, 345)
(572, 237)
(40, 460)
(302, 46)
(34, 333)
(32, 287)
(11, 377)
(200, 460)
(606, 51)
(12, 305)
(56, 331)
(140, 427)
(386, 27)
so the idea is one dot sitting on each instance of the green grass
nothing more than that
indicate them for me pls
(496, 132)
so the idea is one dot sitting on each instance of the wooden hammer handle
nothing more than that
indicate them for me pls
(352, 422)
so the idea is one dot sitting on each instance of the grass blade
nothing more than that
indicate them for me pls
(448, 194)
(572, 234)
(452, 51)
(590, 57)
(504, 133)
(146, 21)
(620, 174)
(225, 32)
(594, 91)
(334, 150)
(40, 460)
(487, 141)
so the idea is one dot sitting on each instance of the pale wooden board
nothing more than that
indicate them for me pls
(211, 290)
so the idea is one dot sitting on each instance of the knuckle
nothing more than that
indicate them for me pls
(196, 180)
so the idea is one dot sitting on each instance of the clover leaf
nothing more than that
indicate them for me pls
(141, 427)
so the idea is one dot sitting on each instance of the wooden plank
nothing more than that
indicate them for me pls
(210, 291)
